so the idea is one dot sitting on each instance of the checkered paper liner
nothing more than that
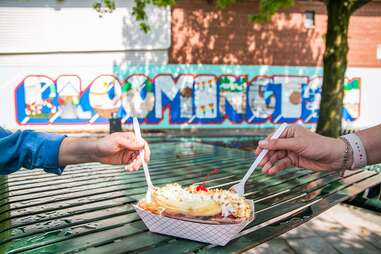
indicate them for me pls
(218, 234)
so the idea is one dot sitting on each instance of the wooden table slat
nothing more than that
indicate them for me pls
(37, 219)
(89, 207)
(277, 211)
(261, 186)
(286, 178)
(65, 243)
(38, 175)
(142, 183)
(87, 172)
(251, 240)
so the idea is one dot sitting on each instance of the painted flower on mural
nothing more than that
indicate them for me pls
(205, 90)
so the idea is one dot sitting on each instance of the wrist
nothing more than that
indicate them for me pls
(91, 151)
(74, 151)
(340, 156)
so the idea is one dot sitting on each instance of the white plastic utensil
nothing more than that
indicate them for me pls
(240, 187)
(139, 138)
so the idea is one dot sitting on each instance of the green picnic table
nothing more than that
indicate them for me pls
(89, 208)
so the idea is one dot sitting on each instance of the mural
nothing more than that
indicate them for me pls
(209, 96)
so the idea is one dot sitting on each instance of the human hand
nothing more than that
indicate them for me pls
(299, 147)
(121, 148)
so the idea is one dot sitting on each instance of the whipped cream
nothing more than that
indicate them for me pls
(176, 192)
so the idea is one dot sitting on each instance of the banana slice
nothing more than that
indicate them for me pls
(215, 205)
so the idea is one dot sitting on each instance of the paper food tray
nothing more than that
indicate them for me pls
(218, 234)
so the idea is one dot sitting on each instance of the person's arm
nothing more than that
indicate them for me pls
(300, 147)
(52, 152)
(117, 148)
(29, 149)
(371, 139)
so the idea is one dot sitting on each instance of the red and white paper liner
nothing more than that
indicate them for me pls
(197, 230)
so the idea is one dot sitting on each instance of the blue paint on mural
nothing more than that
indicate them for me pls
(182, 96)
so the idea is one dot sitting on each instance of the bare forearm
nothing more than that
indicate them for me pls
(74, 151)
(371, 139)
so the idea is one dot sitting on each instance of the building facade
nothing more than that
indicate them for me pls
(65, 68)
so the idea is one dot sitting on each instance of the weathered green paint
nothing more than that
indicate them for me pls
(90, 209)
(4, 216)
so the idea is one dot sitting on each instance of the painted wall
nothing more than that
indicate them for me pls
(74, 26)
(182, 96)
(49, 37)
(75, 77)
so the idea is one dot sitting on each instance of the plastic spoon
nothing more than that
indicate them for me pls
(240, 187)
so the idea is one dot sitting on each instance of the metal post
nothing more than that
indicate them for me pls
(115, 124)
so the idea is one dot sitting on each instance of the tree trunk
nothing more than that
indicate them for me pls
(335, 64)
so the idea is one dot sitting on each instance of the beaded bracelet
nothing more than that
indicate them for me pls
(347, 157)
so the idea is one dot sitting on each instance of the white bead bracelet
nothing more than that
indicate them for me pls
(359, 153)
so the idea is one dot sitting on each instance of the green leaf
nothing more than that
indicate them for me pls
(267, 8)
(224, 3)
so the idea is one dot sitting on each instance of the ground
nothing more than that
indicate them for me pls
(341, 229)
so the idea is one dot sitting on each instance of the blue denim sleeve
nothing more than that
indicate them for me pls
(29, 149)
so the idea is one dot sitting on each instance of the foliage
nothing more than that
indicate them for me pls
(138, 9)
(267, 8)
(104, 6)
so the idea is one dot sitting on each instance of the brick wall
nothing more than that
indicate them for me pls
(201, 33)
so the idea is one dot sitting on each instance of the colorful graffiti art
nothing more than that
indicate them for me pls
(163, 100)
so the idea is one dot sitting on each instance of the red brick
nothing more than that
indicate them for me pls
(201, 33)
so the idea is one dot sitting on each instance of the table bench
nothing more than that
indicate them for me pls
(89, 208)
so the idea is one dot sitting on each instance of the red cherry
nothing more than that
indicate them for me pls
(201, 188)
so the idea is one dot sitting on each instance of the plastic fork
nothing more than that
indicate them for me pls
(239, 188)
(139, 138)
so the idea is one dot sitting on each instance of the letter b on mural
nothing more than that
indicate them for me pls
(164, 97)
